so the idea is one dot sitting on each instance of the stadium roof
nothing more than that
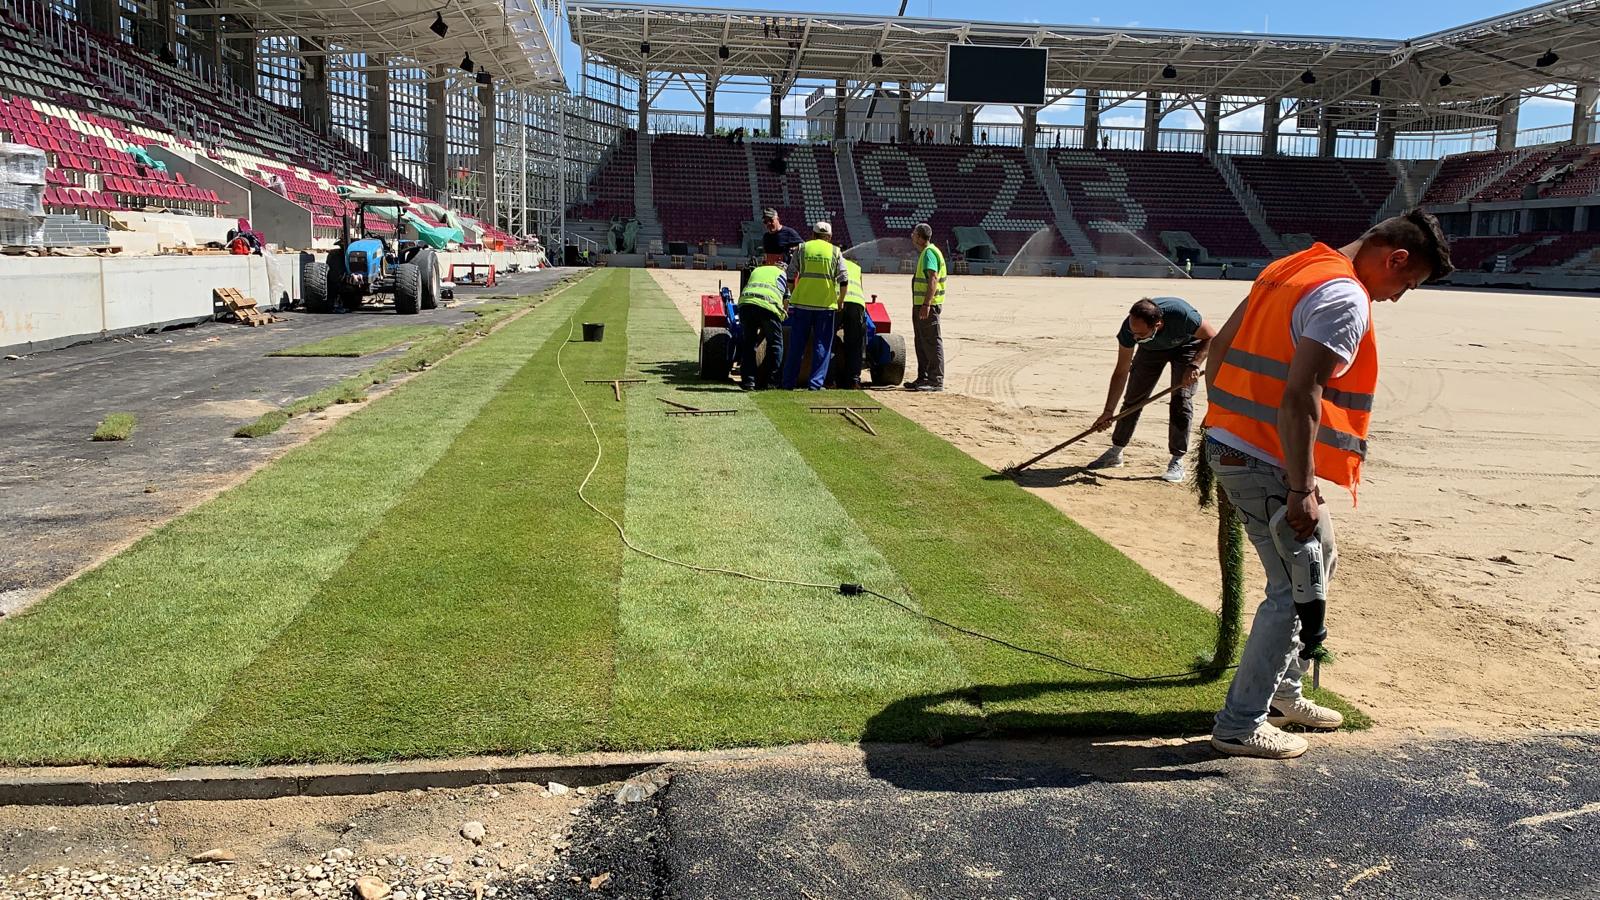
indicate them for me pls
(507, 38)
(1487, 59)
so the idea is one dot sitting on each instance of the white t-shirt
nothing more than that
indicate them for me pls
(1335, 314)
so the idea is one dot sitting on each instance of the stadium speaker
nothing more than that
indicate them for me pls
(877, 60)
(1549, 59)
(483, 77)
(644, 48)
(1445, 80)
(1170, 71)
(467, 64)
(722, 52)
(439, 27)
(1307, 78)
(1376, 88)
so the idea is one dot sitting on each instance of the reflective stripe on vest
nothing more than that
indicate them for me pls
(764, 289)
(919, 279)
(1248, 391)
(857, 293)
(815, 286)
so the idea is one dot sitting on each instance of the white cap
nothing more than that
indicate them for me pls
(822, 228)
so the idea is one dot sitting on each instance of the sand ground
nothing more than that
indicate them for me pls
(1466, 597)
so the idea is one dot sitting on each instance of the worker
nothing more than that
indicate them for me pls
(1291, 384)
(762, 308)
(927, 298)
(1188, 268)
(853, 316)
(818, 282)
(779, 241)
(1159, 333)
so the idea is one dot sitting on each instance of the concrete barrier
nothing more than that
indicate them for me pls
(53, 302)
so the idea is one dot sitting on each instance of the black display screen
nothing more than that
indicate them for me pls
(979, 74)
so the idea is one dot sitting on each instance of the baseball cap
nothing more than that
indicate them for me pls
(822, 228)
(769, 214)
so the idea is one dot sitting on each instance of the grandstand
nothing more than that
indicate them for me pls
(180, 117)
(1336, 152)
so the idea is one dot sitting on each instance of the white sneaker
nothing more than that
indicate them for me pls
(1110, 459)
(1305, 713)
(1175, 470)
(1266, 742)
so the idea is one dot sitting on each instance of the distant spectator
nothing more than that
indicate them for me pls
(277, 186)
(1105, 142)
(983, 136)
(927, 135)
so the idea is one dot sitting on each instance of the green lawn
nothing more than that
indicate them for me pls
(422, 580)
(361, 342)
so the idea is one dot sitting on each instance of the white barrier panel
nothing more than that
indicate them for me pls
(46, 299)
(55, 301)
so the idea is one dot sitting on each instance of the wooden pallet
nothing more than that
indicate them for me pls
(243, 308)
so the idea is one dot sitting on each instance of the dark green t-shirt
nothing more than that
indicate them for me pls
(1179, 322)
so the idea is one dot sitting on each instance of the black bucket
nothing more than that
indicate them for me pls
(594, 332)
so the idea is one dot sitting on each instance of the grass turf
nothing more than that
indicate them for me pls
(707, 660)
(115, 427)
(476, 615)
(362, 342)
(120, 663)
(355, 601)
(419, 356)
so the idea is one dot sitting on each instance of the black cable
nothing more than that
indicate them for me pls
(850, 590)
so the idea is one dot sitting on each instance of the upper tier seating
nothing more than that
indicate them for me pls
(1334, 200)
(1124, 199)
(951, 186)
(86, 100)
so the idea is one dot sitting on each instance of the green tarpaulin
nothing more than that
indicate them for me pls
(969, 240)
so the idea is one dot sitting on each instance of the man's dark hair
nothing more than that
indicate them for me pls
(1419, 233)
(1146, 311)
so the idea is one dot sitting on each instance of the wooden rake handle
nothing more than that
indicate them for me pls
(1013, 470)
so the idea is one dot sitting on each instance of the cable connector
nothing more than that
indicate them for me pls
(851, 590)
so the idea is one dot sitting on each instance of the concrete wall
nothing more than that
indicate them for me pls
(56, 301)
(233, 189)
(280, 220)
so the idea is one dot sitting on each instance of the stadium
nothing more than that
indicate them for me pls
(395, 505)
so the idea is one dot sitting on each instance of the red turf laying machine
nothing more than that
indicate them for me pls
(884, 354)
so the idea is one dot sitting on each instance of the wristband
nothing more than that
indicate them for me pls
(1298, 491)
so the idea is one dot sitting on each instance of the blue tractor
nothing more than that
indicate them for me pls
(364, 264)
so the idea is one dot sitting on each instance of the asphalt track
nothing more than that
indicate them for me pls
(1356, 817)
(68, 501)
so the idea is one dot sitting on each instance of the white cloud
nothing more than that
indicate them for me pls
(1122, 120)
(1133, 24)
(1094, 20)
(1249, 120)
(1183, 118)
(793, 105)
(999, 115)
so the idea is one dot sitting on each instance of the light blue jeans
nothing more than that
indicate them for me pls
(1270, 667)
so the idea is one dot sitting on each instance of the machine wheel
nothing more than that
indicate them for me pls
(891, 373)
(432, 286)
(407, 289)
(314, 287)
(716, 354)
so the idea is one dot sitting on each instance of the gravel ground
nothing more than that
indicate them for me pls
(419, 845)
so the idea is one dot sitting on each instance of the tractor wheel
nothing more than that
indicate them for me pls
(407, 289)
(314, 287)
(716, 354)
(432, 287)
(891, 373)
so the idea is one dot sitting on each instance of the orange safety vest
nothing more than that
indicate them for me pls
(1249, 386)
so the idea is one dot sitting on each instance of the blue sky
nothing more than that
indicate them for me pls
(1363, 18)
